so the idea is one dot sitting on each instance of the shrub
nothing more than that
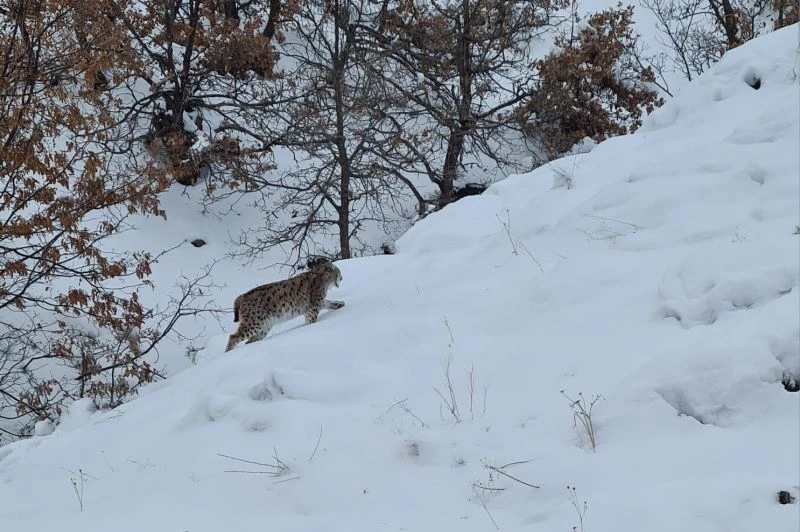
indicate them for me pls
(593, 86)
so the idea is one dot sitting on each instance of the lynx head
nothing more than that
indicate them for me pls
(329, 272)
(315, 261)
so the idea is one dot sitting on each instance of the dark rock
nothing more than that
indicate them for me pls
(790, 383)
(469, 189)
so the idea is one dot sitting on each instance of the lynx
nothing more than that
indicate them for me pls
(263, 307)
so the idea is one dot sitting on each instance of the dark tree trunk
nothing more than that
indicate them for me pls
(781, 9)
(339, 65)
(272, 21)
(455, 144)
(727, 18)
(231, 10)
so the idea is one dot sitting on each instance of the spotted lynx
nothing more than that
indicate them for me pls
(265, 306)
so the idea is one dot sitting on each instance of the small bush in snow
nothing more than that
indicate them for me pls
(580, 509)
(449, 396)
(582, 415)
(77, 486)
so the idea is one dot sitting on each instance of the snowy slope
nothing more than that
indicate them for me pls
(659, 270)
(232, 217)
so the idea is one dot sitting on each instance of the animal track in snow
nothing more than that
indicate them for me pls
(246, 408)
(265, 390)
(694, 297)
(757, 174)
(702, 383)
(686, 405)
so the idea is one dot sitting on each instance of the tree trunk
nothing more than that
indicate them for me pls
(339, 64)
(231, 10)
(272, 21)
(728, 19)
(455, 143)
(731, 24)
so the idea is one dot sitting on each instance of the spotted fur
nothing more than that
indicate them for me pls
(263, 307)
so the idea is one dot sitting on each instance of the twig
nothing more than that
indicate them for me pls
(107, 462)
(78, 488)
(278, 461)
(452, 403)
(490, 517)
(520, 462)
(612, 220)
(499, 470)
(249, 472)
(507, 226)
(141, 465)
(245, 461)
(402, 404)
(449, 330)
(317, 445)
(471, 389)
(286, 479)
(531, 255)
(279, 468)
(487, 488)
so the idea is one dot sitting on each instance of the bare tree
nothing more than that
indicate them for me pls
(699, 32)
(462, 66)
(333, 120)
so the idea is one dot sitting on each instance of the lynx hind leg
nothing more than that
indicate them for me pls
(233, 340)
(245, 333)
(259, 335)
(333, 304)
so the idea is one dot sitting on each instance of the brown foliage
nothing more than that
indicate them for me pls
(194, 60)
(240, 54)
(591, 87)
(62, 194)
(788, 13)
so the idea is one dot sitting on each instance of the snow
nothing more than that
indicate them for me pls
(661, 275)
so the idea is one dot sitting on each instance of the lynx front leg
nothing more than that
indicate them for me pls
(332, 304)
(312, 314)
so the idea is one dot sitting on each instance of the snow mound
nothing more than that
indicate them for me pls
(725, 279)
(659, 275)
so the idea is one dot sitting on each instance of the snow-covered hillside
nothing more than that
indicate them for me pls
(659, 271)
